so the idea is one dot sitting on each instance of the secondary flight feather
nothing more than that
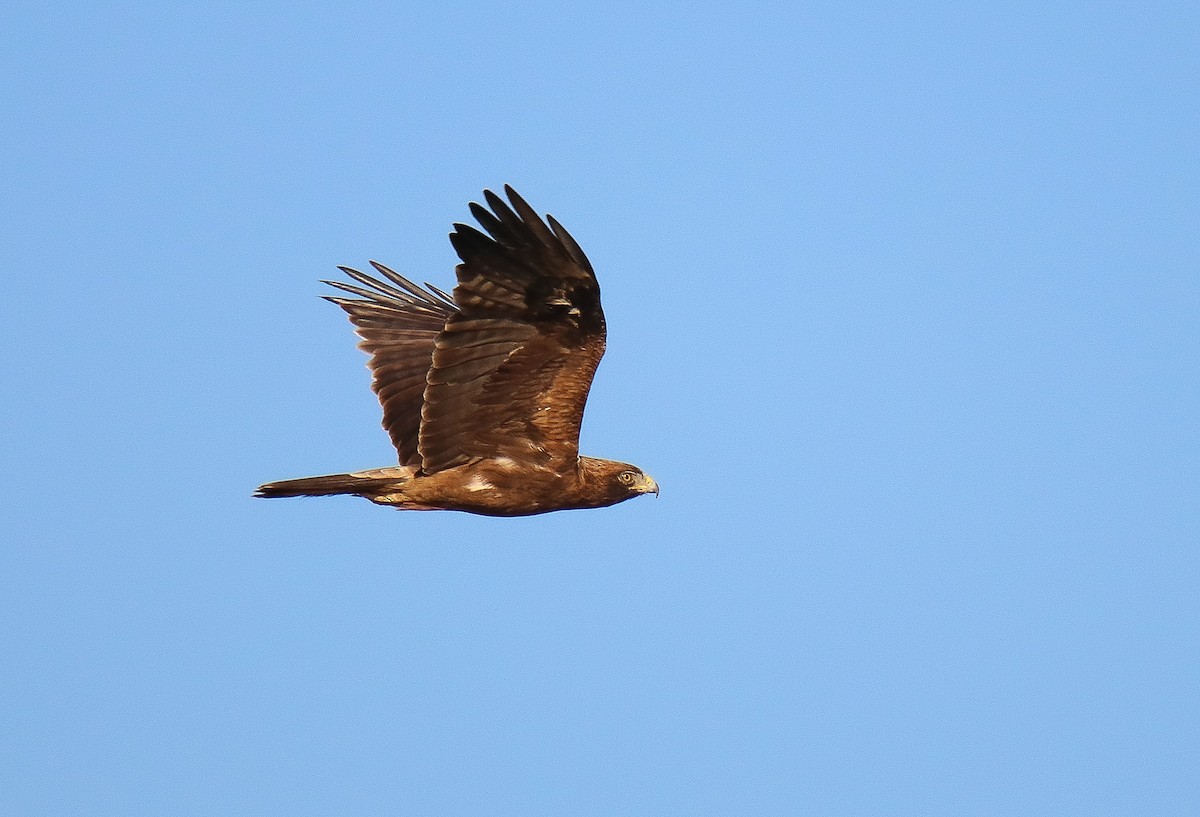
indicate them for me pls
(483, 391)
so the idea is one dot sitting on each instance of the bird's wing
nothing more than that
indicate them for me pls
(398, 322)
(512, 367)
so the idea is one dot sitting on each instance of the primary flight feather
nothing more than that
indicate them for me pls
(483, 392)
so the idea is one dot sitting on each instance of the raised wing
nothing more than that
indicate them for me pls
(398, 322)
(512, 367)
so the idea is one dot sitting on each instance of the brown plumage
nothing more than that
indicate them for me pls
(483, 392)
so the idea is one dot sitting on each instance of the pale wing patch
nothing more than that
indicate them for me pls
(478, 483)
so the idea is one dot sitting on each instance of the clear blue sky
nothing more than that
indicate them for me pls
(904, 316)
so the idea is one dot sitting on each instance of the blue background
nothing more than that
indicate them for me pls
(902, 309)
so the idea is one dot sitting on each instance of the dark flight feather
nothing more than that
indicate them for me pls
(398, 326)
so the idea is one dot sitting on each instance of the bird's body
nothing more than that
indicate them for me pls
(483, 393)
(493, 487)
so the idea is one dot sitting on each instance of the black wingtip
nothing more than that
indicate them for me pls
(497, 204)
(518, 202)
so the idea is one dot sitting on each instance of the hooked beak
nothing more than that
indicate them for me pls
(648, 485)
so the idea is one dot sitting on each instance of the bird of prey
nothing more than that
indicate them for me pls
(483, 392)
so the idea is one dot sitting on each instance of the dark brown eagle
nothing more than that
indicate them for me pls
(483, 392)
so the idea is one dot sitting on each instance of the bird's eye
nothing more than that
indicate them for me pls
(626, 477)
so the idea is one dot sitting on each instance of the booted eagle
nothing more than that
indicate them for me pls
(483, 392)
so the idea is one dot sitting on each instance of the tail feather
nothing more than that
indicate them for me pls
(360, 484)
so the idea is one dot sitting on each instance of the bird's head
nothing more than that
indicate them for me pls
(635, 481)
(615, 481)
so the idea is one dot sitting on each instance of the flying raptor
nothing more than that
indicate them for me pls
(483, 392)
